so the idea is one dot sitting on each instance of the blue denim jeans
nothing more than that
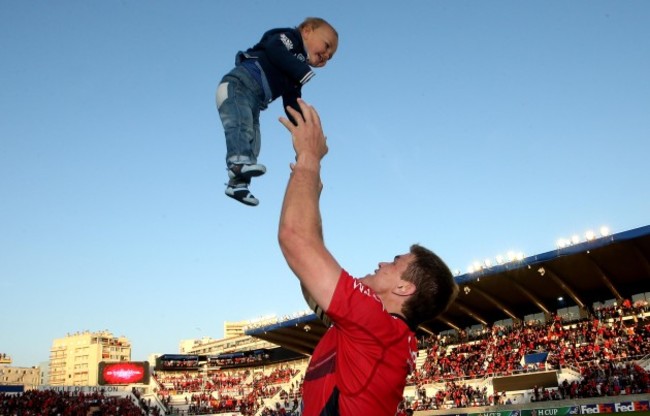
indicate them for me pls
(239, 100)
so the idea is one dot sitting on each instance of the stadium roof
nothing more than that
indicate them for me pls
(612, 267)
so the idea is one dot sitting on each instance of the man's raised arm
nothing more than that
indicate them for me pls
(300, 233)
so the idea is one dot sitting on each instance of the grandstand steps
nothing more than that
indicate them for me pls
(644, 363)
(422, 358)
(178, 402)
(569, 374)
(154, 401)
(276, 399)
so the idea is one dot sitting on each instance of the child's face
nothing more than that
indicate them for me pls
(320, 43)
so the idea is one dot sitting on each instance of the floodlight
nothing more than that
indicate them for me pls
(604, 231)
(590, 235)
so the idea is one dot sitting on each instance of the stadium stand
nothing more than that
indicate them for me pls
(508, 344)
(245, 391)
(605, 354)
(51, 402)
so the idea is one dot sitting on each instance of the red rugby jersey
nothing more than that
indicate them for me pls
(360, 365)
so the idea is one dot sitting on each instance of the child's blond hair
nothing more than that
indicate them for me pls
(315, 22)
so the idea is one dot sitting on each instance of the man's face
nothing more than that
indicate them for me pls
(389, 274)
(320, 43)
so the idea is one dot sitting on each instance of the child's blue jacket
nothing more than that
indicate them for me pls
(282, 58)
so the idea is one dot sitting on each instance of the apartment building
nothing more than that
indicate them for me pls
(74, 359)
(29, 377)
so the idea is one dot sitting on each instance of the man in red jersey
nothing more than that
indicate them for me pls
(360, 365)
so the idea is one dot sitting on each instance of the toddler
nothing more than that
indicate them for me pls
(277, 66)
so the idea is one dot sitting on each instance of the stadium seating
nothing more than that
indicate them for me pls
(607, 354)
(50, 402)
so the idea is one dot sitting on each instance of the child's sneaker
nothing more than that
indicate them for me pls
(239, 190)
(246, 171)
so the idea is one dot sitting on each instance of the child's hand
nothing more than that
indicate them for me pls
(309, 142)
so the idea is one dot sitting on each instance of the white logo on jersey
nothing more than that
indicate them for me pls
(365, 290)
(287, 42)
(413, 358)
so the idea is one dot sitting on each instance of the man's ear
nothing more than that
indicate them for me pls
(404, 289)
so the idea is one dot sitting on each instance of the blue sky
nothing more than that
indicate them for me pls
(471, 127)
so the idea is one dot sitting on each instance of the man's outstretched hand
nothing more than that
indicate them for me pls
(300, 232)
(309, 142)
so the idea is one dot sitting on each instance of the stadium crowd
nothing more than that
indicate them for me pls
(191, 382)
(500, 350)
(250, 359)
(222, 391)
(603, 347)
(600, 347)
(51, 402)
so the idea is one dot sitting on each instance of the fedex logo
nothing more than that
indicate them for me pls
(642, 406)
(624, 407)
(588, 409)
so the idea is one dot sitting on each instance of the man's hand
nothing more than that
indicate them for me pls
(309, 142)
(300, 233)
